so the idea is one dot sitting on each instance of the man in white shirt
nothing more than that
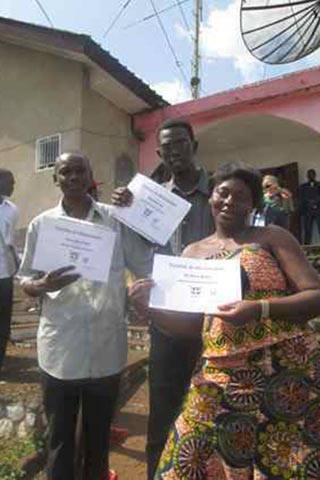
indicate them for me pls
(8, 221)
(82, 337)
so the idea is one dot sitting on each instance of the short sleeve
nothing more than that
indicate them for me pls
(138, 252)
(28, 253)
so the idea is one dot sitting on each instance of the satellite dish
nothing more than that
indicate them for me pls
(280, 31)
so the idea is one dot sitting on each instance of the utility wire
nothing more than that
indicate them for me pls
(184, 18)
(116, 18)
(185, 21)
(152, 15)
(44, 12)
(177, 62)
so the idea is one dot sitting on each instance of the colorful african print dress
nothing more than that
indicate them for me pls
(253, 407)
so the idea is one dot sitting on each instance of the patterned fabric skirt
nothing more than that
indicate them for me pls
(250, 418)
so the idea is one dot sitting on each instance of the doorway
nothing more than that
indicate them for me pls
(288, 178)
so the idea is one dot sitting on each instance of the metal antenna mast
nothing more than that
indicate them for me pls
(195, 79)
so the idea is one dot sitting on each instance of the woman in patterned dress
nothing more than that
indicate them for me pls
(253, 407)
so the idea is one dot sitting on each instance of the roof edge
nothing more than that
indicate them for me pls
(81, 44)
(288, 84)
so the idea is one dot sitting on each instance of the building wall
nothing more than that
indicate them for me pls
(294, 97)
(105, 136)
(40, 95)
(306, 154)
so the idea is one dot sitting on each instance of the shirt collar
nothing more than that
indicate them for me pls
(95, 209)
(202, 186)
(5, 200)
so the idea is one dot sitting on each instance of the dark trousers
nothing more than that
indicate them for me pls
(308, 221)
(62, 399)
(172, 361)
(6, 297)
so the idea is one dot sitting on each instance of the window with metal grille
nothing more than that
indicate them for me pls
(47, 150)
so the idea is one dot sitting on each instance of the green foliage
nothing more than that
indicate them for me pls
(12, 453)
(9, 472)
(9, 465)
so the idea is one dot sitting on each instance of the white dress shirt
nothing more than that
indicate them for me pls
(8, 220)
(83, 331)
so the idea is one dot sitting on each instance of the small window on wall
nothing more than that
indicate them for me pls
(124, 170)
(47, 150)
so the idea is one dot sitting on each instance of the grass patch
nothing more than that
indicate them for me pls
(12, 453)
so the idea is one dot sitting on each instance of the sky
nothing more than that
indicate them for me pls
(140, 43)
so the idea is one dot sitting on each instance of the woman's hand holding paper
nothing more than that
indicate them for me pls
(239, 313)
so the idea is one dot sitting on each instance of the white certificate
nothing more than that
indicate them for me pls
(194, 285)
(155, 212)
(63, 241)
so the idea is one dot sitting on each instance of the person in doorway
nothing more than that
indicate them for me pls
(253, 407)
(82, 336)
(8, 257)
(269, 214)
(309, 194)
(275, 195)
(172, 360)
(277, 202)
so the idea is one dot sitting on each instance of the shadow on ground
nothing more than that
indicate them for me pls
(134, 422)
(20, 369)
(129, 452)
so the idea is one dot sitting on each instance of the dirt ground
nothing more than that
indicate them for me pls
(128, 460)
(20, 380)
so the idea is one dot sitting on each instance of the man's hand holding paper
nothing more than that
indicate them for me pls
(53, 281)
(153, 211)
(63, 242)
